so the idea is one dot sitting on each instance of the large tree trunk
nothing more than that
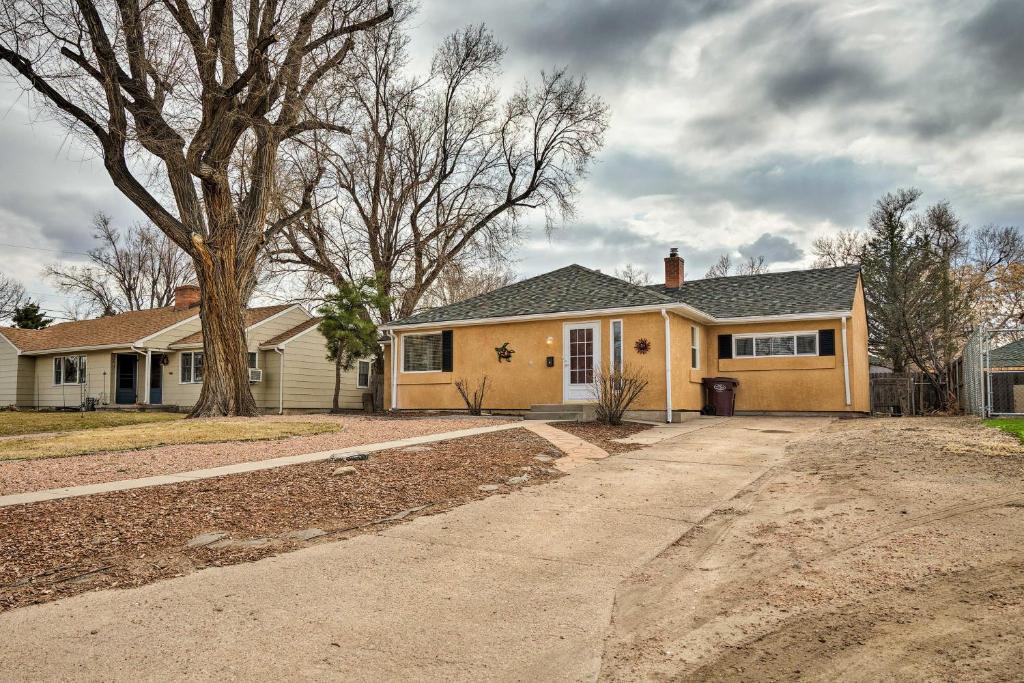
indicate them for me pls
(226, 368)
(335, 407)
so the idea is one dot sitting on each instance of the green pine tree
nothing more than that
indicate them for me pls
(28, 316)
(351, 333)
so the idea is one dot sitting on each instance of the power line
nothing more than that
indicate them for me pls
(54, 251)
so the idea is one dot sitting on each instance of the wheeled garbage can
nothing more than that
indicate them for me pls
(721, 393)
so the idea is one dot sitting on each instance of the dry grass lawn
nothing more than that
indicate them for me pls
(134, 437)
(17, 422)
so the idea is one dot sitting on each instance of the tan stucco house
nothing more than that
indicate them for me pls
(796, 341)
(155, 357)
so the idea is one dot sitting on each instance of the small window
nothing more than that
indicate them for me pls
(783, 346)
(744, 346)
(69, 370)
(807, 345)
(694, 347)
(191, 367)
(617, 346)
(363, 378)
(421, 353)
(253, 359)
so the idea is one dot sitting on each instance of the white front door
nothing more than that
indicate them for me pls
(581, 360)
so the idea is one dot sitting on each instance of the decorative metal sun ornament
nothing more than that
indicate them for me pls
(642, 346)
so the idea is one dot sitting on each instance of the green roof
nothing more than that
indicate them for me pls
(575, 288)
(1009, 356)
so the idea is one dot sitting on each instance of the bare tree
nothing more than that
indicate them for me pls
(132, 270)
(615, 391)
(438, 170)
(472, 396)
(634, 275)
(202, 102)
(841, 249)
(12, 295)
(461, 281)
(724, 267)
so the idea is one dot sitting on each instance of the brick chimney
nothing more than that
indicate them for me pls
(186, 296)
(673, 269)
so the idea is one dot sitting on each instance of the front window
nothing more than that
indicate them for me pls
(253, 360)
(69, 370)
(694, 347)
(617, 346)
(421, 353)
(363, 379)
(192, 367)
(776, 344)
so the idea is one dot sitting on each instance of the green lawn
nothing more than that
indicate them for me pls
(1010, 425)
(24, 422)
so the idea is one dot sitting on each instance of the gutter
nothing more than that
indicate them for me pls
(280, 381)
(846, 366)
(394, 372)
(668, 367)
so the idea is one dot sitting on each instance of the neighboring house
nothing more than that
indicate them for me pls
(1006, 364)
(796, 341)
(155, 357)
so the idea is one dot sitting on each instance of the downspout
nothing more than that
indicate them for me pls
(280, 379)
(846, 365)
(668, 368)
(149, 369)
(394, 370)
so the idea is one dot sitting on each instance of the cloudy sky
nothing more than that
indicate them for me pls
(740, 127)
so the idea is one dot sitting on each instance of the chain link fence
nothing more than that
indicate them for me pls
(991, 372)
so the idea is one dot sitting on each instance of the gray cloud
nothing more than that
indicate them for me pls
(774, 249)
(996, 31)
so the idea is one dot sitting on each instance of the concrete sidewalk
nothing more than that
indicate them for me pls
(511, 587)
(240, 467)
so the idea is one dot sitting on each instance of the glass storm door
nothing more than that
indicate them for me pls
(581, 344)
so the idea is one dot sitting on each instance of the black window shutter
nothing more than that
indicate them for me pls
(725, 346)
(446, 351)
(826, 342)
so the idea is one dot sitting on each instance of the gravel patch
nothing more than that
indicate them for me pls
(128, 538)
(20, 476)
(602, 434)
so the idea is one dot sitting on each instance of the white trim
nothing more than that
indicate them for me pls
(695, 344)
(81, 380)
(668, 367)
(789, 317)
(165, 329)
(549, 316)
(394, 374)
(795, 354)
(149, 377)
(257, 354)
(78, 349)
(846, 366)
(420, 334)
(369, 369)
(611, 345)
(594, 325)
(280, 381)
(693, 313)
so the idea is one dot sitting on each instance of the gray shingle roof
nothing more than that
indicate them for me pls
(1009, 356)
(575, 288)
(789, 293)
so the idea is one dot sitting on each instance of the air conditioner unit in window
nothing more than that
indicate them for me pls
(255, 375)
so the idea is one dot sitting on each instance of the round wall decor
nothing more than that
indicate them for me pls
(642, 346)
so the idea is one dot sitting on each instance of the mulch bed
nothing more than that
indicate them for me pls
(58, 548)
(602, 434)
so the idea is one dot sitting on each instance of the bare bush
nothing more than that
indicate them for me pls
(615, 391)
(475, 400)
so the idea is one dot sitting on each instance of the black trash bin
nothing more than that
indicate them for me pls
(721, 393)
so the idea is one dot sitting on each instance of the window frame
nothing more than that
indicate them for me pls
(192, 367)
(694, 347)
(440, 359)
(754, 336)
(611, 346)
(369, 371)
(252, 354)
(81, 368)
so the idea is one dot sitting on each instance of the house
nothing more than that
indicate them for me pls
(796, 341)
(155, 357)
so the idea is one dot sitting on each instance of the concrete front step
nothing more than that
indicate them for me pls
(555, 415)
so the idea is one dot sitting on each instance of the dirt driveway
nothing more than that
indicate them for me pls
(746, 549)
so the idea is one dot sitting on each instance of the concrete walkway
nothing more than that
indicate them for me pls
(511, 587)
(238, 468)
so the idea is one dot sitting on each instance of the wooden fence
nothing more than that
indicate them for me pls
(910, 393)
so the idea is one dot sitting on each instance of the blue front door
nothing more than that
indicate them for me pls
(127, 378)
(156, 384)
